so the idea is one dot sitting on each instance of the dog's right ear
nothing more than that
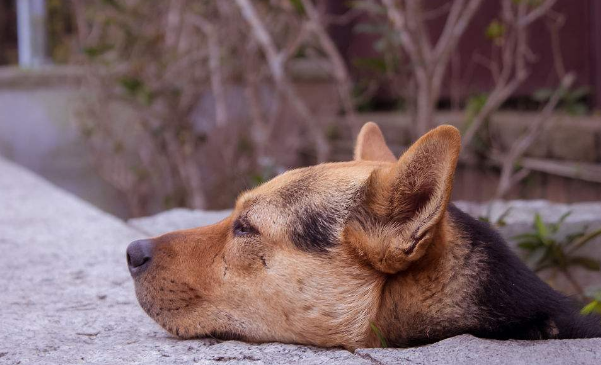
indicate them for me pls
(398, 216)
(371, 145)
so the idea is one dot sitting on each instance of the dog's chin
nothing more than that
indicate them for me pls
(176, 322)
(226, 336)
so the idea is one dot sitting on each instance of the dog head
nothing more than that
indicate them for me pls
(308, 256)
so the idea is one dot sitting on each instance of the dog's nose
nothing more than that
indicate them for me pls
(139, 255)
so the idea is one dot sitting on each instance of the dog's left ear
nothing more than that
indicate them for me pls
(371, 146)
(402, 206)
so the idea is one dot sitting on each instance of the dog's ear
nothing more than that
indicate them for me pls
(371, 145)
(402, 205)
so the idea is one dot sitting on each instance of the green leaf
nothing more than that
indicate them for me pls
(541, 228)
(378, 333)
(585, 262)
(93, 52)
(376, 64)
(529, 245)
(593, 306)
(131, 84)
(555, 227)
(495, 30)
(298, 6)
(501, 220)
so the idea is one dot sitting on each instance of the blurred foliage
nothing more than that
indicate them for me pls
(153, 117)
(572, 102)
(481, 143)
(501, 219)
(547, 248)
(61, 31)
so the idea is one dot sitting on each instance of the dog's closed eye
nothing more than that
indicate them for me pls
(243, 228)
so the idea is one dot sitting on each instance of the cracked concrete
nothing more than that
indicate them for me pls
(66, 297)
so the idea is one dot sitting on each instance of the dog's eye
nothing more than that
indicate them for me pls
(243, 228)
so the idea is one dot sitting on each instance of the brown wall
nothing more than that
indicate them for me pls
(580, 41)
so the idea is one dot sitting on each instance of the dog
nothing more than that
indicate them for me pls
(345, 254)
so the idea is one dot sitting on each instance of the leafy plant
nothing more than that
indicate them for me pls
(545, 249)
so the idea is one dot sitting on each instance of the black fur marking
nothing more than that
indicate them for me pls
(512, 302)
(263, 261)
(315, 230)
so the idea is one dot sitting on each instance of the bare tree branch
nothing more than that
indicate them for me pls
(451, 35)
(339, 69)
(538, 12)
(543, 121)
(276, 60)
(581, 171)
(215, 67)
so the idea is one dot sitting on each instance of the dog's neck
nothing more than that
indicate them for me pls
(430, 298)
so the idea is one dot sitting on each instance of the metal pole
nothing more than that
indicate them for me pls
(31, 32)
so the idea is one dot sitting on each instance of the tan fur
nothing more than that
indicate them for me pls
(207, 281)
(427, 167)
(371, 145)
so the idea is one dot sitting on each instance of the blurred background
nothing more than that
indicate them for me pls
(142, 106)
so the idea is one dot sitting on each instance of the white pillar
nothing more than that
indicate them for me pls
(31, 32)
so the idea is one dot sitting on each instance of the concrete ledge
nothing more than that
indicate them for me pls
(467, 350)
(15, 77)
(176, 219)
(67, 297)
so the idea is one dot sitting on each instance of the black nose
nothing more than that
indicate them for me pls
(139, 255)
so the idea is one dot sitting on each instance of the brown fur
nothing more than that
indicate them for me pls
(317, 254)
(262, 287)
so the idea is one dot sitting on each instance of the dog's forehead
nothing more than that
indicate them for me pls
(308, 205)
(313, 183)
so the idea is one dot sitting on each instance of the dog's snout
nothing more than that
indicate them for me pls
(139, 255)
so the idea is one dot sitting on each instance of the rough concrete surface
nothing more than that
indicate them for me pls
(466, 350)
(66, 298)
(176, 219)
